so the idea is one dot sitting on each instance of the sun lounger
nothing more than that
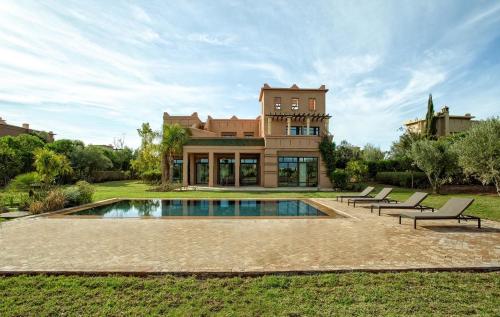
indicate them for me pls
(364, 193)
(452, 209)
(411, 203)
(380, 197)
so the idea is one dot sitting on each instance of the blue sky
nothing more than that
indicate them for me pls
(95, 70)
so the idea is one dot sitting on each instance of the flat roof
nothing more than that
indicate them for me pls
(294, 87)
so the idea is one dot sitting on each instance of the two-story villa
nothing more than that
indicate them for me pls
(279, 148)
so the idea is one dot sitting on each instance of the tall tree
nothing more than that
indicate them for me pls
(173, 139)
(430, 120)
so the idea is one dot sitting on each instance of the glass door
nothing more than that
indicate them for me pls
(226, 172)
(202, 171)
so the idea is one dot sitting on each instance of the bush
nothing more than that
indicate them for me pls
(167, 187)
(86, 192)
(403, 179)
(339, 178)
(20, 200)
(151, 176)
(357, 170)
(23, 182)
(72, 196)
(55, 200)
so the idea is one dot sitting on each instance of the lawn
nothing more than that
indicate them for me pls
(485, 205)
(397, 294)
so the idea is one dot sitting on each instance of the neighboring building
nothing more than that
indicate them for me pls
(445, 123)
(279, 148)
(7, 129)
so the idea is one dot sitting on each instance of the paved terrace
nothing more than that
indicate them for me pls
(367, 242)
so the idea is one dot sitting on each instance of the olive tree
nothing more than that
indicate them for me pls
(479, 152)
(436, 160)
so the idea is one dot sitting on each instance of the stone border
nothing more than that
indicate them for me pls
(209, 274)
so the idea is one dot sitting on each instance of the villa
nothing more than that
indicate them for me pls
(279, 148)
(13, 130)
(446, 124)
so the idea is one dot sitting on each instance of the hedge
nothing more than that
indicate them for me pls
(403, 179)
(106, 176)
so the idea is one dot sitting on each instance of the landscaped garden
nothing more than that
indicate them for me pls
(40, 177)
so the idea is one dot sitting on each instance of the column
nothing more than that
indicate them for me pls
(211, 169)
(185, 166)
(308, 123)
(288, 126)
(237, 169)
(192, 168)
(327, 128)
(269, 125)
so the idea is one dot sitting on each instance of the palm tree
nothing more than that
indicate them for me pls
(173, 139)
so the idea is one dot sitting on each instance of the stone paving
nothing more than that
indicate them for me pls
(362, 242)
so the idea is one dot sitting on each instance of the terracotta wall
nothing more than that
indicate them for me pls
(240, 126)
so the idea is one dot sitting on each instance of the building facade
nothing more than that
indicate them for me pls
(13, 130)
(279, 148)
(446, 124)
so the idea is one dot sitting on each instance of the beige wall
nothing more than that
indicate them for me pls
(185, 121)
(240, 126)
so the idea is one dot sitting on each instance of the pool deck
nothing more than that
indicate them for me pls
(362, 241)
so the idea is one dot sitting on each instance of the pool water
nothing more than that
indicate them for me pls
(203, 208)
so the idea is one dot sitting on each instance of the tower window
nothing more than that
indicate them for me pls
(277, 103)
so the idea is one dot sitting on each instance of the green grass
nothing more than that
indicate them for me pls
(485, 205)
(395, 294)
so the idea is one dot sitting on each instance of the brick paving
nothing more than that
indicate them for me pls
(366, 242)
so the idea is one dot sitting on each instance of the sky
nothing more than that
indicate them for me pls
(95, 70)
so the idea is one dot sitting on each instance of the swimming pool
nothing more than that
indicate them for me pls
(204, 208)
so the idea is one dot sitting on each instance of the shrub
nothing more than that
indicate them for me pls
(23, 182)
(403, 179)
(37, 207)
(151, 176)
(356, 170)
(339, 178)
(86, 192)
(54, 201)
(72, 196)
(16, 199)
(167, 187)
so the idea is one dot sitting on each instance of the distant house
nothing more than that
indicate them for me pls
(446, 124)
(13, 130)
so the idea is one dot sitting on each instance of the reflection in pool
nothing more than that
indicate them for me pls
(204, 208)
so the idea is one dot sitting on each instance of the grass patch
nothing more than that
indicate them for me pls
(397, 294)
(485, 205)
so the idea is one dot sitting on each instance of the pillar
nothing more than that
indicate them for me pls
(327, 128)
(269, 125)
(192, 168)
(288, 125)
(211, 169)
(237, 169)
(185, 166)
(308, 124)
